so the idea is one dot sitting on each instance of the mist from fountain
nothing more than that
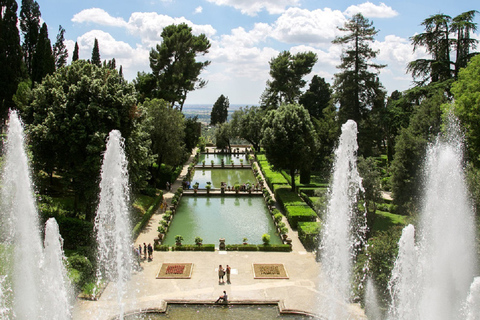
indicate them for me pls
(434, 269)
(27, 290)
(343, 230)
(112, 221)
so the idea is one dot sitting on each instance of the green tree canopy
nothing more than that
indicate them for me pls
(287, 72)
(174, 64)
(289, 139)
(71, 114)
(166, 127)
(250, 124)
(466, 91)
(317, 97)
(75, 52)
(219, 112)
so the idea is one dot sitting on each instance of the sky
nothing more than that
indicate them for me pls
(245, 35)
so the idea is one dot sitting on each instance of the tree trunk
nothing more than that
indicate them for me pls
(305, 176)
(292, 176)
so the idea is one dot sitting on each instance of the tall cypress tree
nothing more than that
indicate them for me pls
(43, 62)
(30, 26)
(60, 52)
(219, 112)
(75, 52)
(96, 55)
(10, 55)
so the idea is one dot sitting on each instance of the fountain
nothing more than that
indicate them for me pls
(434, 269)
(27, 266)
(343, 230)
(112, 222)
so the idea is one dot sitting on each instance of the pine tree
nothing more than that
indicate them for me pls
(96, 55)
(60, 50)
(43, 62)
(10, 55)
(30, 26)
(75, 52)
(357, 88)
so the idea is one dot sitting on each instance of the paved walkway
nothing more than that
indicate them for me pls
(301, 292)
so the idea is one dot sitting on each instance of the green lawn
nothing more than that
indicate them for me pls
(386, 220)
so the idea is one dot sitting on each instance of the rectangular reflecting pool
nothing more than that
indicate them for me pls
(212, 218)
(216, 176)
(217, 158)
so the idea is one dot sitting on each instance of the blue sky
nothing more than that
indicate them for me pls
(245, 35)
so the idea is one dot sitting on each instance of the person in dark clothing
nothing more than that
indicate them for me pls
(223, 298)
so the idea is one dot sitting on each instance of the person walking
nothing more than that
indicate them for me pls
(228, 270)
(221, 273)
(144, 251)
(150, 252)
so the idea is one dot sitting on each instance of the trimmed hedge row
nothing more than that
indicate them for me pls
(194, 247)
(148, 214)
(309, 234)
(259, 247)
(286, 197)
(271, 177)
(302, 213)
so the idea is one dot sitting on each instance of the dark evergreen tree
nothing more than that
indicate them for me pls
(437, 41)
(219, 112)
(30, 27)
(75, 52)
(357, 88)
(10, 55)
(43, 62)
(60, 50)
(96, 55)
(317, 97)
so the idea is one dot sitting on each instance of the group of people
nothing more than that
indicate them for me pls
(222, 272)
(147, 250)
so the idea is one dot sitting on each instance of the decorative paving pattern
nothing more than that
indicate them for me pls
(175, 271)
(269, 271)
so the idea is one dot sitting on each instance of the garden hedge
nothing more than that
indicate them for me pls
(259, 247)
(296, 214)
(286, 197)
(309, 234)
(194, 247)
(148, 214)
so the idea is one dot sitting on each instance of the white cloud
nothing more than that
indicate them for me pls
(252, 7)
(131, 59)
(149, 25)
(198, 9)
(98, 16)
(370, 10)
(312, 27)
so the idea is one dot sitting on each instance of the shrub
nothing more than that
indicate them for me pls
(308, 233)
(241, 247)
(296, 214)
(266, 239)
(198, 241)
(278, 217)
(192, 247)
(286, 197)
(275, 247)
(161, 229)
(161, 247)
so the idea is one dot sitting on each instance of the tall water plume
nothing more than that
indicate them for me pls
(432, 276)
(343, 229)
(20, 227)
(112, 222)
(57, 292)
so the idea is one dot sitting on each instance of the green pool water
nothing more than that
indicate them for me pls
(217, 158)
(216, 176)
(212, 218)
(220, 312)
